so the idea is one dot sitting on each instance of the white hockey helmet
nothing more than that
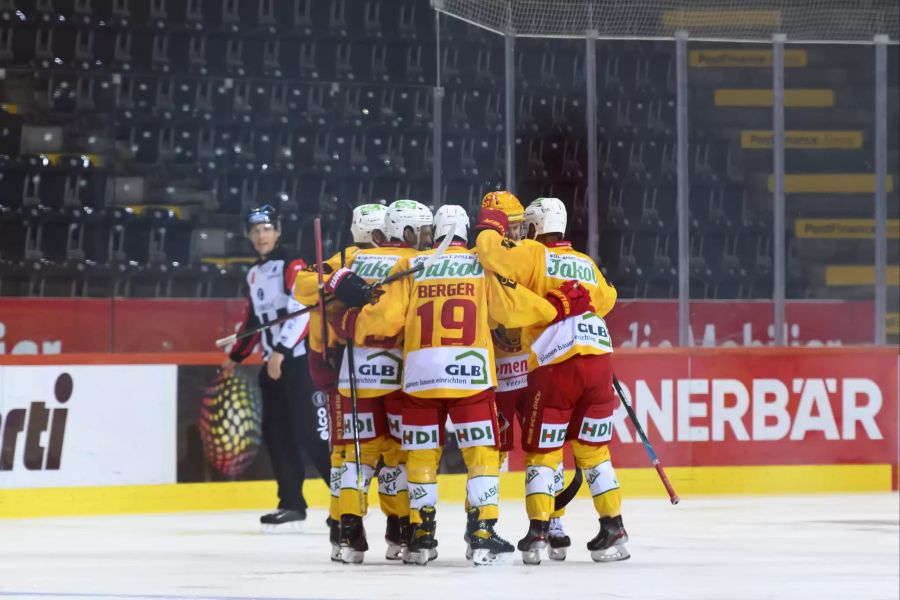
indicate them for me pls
(366, 219)
(406, 213)
(451, 219)
(548, 215)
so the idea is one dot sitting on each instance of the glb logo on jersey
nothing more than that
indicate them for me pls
(449, 266)
(385, 367)
(381, 370)
(471, 365)
(553, 435)
(596, 431)
(37, 457)
(570, 266)
(477, 433)
(416, 437)
(592, 329)
(365, 425)
(373, 267)
(446, 368)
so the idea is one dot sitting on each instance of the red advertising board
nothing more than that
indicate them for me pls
(654, 323)
(766, 406)
(52, 326)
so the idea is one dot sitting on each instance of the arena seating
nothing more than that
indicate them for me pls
(134, 133)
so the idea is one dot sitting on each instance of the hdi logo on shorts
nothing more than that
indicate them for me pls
(36, 457)
(596, 430)
(552, 435)
(479, 433)
(420, 438)
(365, 425)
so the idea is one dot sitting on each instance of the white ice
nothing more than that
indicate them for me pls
(797, 547)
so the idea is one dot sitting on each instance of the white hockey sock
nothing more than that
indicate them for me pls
(539, 480)
(392, 480)
(483, 490)
(348, 476)
(422, 494)
(601, 478)
(559, 479)
(335, 486)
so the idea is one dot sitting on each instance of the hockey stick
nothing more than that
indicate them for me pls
(673, 497)
(320, 270)
(354, 409)
(442, 247)
(566, 495)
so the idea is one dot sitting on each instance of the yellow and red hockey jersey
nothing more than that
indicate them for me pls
(443, 313)
(542, 268)
(306, 292)
(378, 360)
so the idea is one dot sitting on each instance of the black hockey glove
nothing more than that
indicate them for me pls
(350, 288)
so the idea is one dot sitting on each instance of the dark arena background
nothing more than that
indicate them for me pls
(730, 165)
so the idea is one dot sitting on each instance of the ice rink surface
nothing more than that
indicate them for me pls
(791, 547)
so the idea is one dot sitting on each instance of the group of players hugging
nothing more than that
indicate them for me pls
(509, 330)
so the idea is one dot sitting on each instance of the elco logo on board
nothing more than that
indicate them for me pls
(33, 422)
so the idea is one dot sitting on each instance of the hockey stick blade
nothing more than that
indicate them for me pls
(564, 497)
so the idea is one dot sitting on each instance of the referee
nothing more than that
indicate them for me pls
(291, 426)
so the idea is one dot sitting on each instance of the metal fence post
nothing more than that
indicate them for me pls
(684, 258)
(778, 205)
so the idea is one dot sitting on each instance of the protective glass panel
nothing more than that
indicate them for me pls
(829, 149)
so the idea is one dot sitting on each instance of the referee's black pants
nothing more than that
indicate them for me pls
(293, 426)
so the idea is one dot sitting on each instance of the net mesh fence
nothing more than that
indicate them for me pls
(734, 20)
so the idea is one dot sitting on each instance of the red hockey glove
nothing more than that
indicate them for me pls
(570, 299)
(324, 376)
(350, 288)
(344, 321)
(492, 218)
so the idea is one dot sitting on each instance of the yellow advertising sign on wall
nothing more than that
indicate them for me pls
(831, 183)
(858, 275)
(843, 229)
(721, 18)
(744, 58)
(892, 323)
(761, 98)
(761, 139)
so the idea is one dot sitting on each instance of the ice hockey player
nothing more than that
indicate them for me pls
(443, 314)
(570, 394)
(324, 367)
(512, 373)
(289, 414)
(378, 362)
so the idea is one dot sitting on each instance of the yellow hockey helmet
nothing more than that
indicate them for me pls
(507, 202)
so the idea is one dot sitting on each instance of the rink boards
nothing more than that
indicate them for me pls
(101, 434)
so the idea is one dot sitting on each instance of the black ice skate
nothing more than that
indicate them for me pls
(422, 546)
(609, 544)
(394, 535)
(353, 540)
(484, 546)
(471, 520)
(557, 540)
(334, 536)
(534, 541)
(283, 521)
